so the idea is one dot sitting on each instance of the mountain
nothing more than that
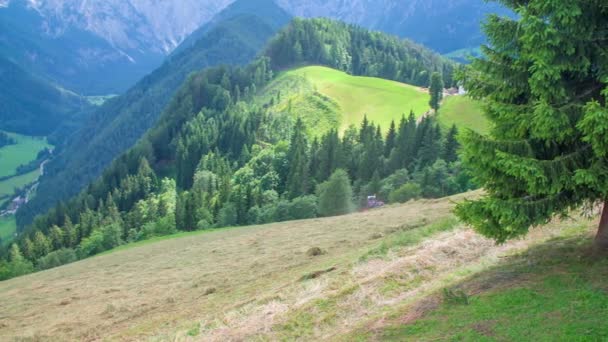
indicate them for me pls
(78, 44)
(235, 39)
(97, 47)
(31, 105)
(273, 15)
(443, 25)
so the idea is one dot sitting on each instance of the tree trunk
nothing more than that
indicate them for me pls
(601, 239)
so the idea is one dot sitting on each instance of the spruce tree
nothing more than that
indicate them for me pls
(391, 137)
(436, 90)
(544, 81)
(449, 151)
(297, 178)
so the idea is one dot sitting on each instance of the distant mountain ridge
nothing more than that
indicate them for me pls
(31, 105)
(100, 47)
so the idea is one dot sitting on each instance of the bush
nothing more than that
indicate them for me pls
(281, 212)
(17, 266)
(162, 227)
(101, 240)
(112, 236)
(303, 208)
(91, 245)
(336, 195)
(56, 259)
(254, 215)
(405, 193)
(393, 182)
(227, 216)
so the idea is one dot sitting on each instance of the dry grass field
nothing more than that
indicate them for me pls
(255, 283)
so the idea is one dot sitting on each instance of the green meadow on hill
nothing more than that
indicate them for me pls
(327, 98)
(463, 112)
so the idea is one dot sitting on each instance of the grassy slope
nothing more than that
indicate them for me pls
(247, 283)
(345, 98)
(553, 292)
(7, 228)
(463, 112)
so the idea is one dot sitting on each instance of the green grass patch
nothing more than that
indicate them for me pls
(463, 112)
(22, 153)
(8, 227)
(563, 296)
(8, 186)
(410, 237)
(352, 97)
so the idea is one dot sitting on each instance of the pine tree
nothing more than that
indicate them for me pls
(436, 90)
(449, 151)
(430, 146)
(297, 179)
(543, 80)
(329, 155)
(42, 245)
(391, 138)
(56, 238)
(70, 236)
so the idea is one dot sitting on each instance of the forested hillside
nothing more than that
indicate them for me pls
(121, 121)
(30, 105)
(218, 157)
(357, 51)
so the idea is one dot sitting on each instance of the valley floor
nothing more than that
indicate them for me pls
(376, 278)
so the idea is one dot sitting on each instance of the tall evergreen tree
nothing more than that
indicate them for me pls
(391, 138)
(436, 90)
(298, 177)
(329, 155)
(544, 78)
(449, 151)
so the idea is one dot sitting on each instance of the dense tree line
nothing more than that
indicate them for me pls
(256, 183)
(356, 51)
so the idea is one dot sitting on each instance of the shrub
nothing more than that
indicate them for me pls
(282, 211)
(112, 236)
(162, 227)
(91, 245)
(17, 266)
(56, 259)
(336, 195)
(227, 216)
(304, 207)
(405, 193)
(393, 182)
(254, 215)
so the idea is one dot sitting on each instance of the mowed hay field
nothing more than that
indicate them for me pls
(381, 100)
(256, 283)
